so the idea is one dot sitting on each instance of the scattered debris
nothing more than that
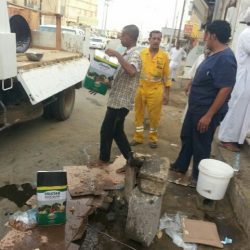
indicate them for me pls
(227, 241)
(23, 221)
(159, 234)
(173, 228)
(32, 201)
(202, 232)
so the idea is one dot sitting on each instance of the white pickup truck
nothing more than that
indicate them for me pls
(29, 89)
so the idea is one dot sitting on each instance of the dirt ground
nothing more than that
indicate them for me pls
(50, 145)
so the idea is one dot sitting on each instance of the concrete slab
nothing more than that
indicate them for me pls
(153, 175)
(83, 180)
(143, 216)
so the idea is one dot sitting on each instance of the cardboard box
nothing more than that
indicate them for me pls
(100, 74)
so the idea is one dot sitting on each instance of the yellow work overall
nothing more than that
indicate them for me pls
(148, 95)
(153, 80)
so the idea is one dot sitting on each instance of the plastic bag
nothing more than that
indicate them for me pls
(24, 221)
(173, 228)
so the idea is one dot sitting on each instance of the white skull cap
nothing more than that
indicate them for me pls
(246, 17)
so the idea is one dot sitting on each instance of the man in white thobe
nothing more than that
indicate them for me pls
(236, 124)
(176, 55)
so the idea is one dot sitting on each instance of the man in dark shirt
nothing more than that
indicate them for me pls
(208, 100)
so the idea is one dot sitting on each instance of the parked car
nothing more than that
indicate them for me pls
(97, 43)
(65, 29)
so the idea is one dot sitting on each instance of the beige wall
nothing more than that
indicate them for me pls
(75, 12)
(81, 12)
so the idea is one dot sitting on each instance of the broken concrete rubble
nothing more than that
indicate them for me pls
(145, 201)
(83, 180)
(153, 175)
(143, 216)
(86, 193)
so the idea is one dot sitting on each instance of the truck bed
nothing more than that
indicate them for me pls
(50, 57)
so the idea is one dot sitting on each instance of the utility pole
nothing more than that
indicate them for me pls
(182, 15)
(106, 6)
(173, 23)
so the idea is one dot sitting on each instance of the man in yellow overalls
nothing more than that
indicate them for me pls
(154, 86)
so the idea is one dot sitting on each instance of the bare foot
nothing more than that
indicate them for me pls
(99, 163)
(121, 170)
(231, 146)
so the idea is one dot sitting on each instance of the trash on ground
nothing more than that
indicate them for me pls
(24, 221)
(202, 232)
(159, 234)
(174, 145)
(173, 228)
(32, 201)
(227, 241)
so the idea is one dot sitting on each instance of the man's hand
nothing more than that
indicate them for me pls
(92, 92)
(203, 123)
(166, 96)
(111, 52)
(165, 100)
(188, 87)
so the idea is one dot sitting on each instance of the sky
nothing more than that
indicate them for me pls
(146, 14)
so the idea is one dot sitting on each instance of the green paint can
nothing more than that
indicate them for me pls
(51, 197)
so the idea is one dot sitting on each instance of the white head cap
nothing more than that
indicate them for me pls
(246, 17)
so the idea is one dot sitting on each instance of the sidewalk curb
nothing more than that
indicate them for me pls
(239, 186)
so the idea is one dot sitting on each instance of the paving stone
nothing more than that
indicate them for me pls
(153, 175)
(143, 216)
(83, 180)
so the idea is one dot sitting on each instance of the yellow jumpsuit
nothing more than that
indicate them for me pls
(154, 78)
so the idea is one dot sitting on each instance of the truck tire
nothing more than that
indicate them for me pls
(63, 106)
(47, 112)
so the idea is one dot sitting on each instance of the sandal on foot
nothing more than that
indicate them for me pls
(98, 163)
(174, 169)
(193, 183)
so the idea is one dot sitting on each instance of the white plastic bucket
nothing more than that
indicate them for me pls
(213, 178)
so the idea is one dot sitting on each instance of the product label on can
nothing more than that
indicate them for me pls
(51, 202)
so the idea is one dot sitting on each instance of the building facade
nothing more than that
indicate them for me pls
(81, 12)
(74, 12)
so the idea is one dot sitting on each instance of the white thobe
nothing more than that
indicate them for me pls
(236, 124)
(190, 75)
(176, 56)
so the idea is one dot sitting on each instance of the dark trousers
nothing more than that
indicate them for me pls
(113, 128)
(194, 143)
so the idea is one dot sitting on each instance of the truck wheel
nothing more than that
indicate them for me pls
(64, 105)
(47, 112)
